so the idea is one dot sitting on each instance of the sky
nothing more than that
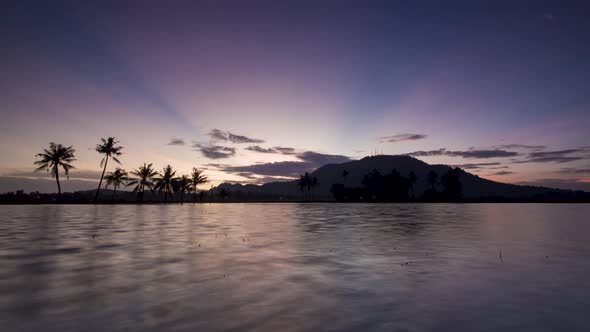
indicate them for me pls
(258, 91)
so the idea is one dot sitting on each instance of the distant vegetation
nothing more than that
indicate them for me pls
(364, 180)
(142, 179)
(394, 187)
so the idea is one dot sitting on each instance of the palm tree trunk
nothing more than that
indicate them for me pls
(113, 195)
(181, 196)
(195, 195)
(57, 179)
(100, 182)
(165, 195)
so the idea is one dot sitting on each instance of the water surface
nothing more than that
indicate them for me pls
(295, 267)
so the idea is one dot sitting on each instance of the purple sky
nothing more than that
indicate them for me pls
(262, 91)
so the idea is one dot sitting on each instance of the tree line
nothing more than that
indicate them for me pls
(145, 177)
(394, 187)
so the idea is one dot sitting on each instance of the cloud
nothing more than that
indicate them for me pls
(177, 142)
(503, 173)
(257, 179)
(320, 159)
(401, 137)
(308, 161)
(215, 151)
(557, 156)
(289, 169)
(257, 148)
(520, 147)
(569, 170)
(217, 134)
(284, 150)
(479, 165)
(275, 149)
(470, 154)
(220, 135)
(549, 160)
(242, 139)
(216, 165)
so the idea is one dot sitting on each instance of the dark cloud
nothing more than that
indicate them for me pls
(557, 156)
(503, 173)
(282, 168)
(216, 165)
(470, 154)
(177, 141)
(320, 159)
(553, 154)
(242, 139)
(220, 135)
(257, 148)
(247, 175)
(479, 165)
(284, 150)
(401, 137)
(308, 161)
(549, 160)
(217, 134)
(257, 179)
(215, 151)
(275, 149)
(569, 170)
(520, 147)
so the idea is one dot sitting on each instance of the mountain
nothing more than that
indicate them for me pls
(474, 187)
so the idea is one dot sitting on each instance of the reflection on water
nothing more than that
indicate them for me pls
(295, 267)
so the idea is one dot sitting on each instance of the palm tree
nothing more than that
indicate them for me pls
(144, 175)
(116, 179)
(412, 178)
(165, 181)
(197, 178)
(303, 183)
(432, 179)
(182, 185)
(108, 148)
(55, 157)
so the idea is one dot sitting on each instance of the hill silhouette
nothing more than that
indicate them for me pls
(352, 173)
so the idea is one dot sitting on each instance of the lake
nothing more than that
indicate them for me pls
(295, 267)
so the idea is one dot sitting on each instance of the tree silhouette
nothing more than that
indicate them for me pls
(108, 147)
(453, 189)
(378, 187)
(144, 179)
(345, 175)
(432, 179)
(182, 185)
(197, 178)
(312, 184)
(55, 157)
(116, 179)
(302, 184)
(165, 181)
(412, 178)
(223, 193)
